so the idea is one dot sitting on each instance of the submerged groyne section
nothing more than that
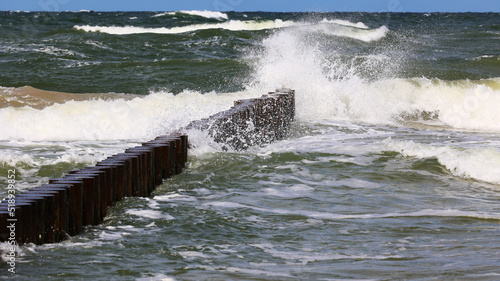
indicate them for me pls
(251, 122)
(60, 209)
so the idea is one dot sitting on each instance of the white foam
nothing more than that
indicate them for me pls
(30, 157)
(192, 255)
(340, 28)
(328, 88)
(354, 31)
(233, 25)
(51, 50)
(16, 159)
(202, 144)
(335, 216)
(304, 256)
(138, 119)
(294, 191)
(480, 163)
(6, 249)
(331, 139)
(204, 14)
(153, 204)
(174, 198)
(223, 204)
(346, 23)
(111, 236)
(150, 214)
(162, 14)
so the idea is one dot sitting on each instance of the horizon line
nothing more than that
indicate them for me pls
(251, 11)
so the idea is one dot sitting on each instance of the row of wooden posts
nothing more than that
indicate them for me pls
(52, 212)
(62, 208)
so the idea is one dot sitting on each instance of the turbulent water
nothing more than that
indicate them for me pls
(391, 169)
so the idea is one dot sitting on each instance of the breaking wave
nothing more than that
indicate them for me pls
(204, 14)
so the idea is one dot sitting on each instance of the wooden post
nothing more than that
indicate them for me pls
(39, 215)
(63, 207)
(148, 168)
(24, 222)
(126, 171)
(89, 197)
(76, 204)
(51, 213)
(99, 192)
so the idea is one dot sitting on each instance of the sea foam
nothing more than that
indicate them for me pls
(330, 87)
(139, 118)
(480, 163)
(204, 14)
(341, 28)
(233, 25)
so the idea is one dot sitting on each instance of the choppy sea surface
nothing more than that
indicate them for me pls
(391, 170)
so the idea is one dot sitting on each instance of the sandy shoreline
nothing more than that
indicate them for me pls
(37, 98)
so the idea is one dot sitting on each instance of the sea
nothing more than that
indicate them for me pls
(390, 170)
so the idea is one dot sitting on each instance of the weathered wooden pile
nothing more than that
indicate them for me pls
(252, 121)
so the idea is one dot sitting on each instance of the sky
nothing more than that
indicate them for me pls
(255, 5)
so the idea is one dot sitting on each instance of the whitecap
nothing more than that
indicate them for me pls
(233, 25)
(150, 214)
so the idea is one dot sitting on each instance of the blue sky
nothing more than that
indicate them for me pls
(255, 5)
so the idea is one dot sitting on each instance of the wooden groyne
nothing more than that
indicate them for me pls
(62, 208)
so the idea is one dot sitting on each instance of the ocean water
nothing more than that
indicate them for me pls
(391, 170)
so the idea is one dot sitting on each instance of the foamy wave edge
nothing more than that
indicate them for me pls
(204, 14)
(358, 31)
(233, 25)
(333, 216)
(479, 163)
(118, 119)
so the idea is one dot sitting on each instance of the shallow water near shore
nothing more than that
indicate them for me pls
(391, 169)
(298, 209)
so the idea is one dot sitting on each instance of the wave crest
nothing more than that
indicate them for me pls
(340, 28)
(203, 14)
(141, 117)
(233, 25)
(333, 84)
(480, 163)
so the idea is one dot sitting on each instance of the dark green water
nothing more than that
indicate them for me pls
(46, 51)
(391, 170)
